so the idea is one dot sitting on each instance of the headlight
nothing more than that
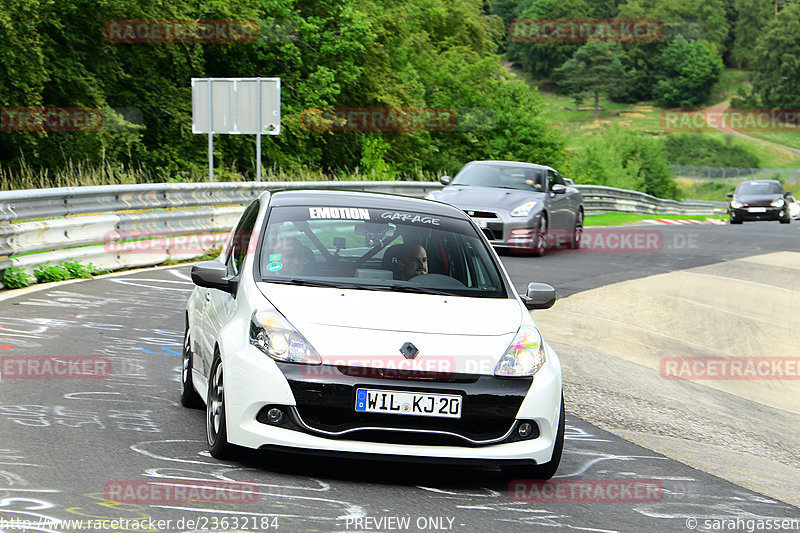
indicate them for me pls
(524, 209)
(736, 204)
(777, 203)
(271, 333)
(524, 356)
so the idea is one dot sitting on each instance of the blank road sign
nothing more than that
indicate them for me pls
(234, 105)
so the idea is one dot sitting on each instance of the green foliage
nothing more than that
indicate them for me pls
(594, 69)
(541, 58)
(16, 278)
(210, 254)
(77, 270)
(46, 273)
(687, 72)
(752, 17)
(776, 76)
(328, 54)
(628, 160)
(702, 150)
(67, 269)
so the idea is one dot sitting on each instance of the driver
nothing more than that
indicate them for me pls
(289, 257)
(412, 261)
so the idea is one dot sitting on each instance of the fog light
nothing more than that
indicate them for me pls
(525, 430)
(274, 416)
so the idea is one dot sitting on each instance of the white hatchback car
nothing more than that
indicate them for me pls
(371, 325)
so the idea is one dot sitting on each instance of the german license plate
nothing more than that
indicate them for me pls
(757, 209)
(408, 403)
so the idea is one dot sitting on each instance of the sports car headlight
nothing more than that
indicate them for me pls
(271, 333)
(777, 202)
(736, 204)
(524, 209)
(524, 356)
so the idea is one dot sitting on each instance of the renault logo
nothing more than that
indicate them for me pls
(409, 351)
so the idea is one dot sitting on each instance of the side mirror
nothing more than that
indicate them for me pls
(213, 275)
(539, 296)
(730, 195)
(787, 193)
(445, 180)
(558, 189)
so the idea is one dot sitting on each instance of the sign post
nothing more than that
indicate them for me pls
(236, 106)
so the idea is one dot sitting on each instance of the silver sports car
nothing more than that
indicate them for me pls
(520, 206)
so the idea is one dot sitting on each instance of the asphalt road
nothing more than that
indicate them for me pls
(64, 442)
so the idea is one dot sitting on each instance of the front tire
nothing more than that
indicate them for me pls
(540, 244)
(736, 220)
(216, 423)
(546, 470)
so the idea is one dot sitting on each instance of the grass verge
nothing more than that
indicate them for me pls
(620, 219)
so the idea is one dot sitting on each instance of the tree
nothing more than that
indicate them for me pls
(541, 58)
(595, 68)
(776, 76)
(687, 70)
(752, 16)
(626, 159)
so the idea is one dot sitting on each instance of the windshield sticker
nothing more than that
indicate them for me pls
(274, 266)
(274, 257)
(349, 213)
(408, 217)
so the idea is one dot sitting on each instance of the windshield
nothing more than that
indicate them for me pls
(754, 188)
(378, 249)
(504, 176)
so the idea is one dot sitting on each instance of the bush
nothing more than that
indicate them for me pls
(77, 270)
(687, 71)
(45, 273)
(702, 150)
(625, 159)
(16, 278)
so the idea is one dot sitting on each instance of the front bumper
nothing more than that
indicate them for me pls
(770, 213)
(321, 415)
(504, 231)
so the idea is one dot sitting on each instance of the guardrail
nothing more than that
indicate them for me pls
(119, 226)
(791, 175)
